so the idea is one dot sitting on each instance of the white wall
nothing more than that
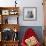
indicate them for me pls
(6, 3)
(38, 5)
(27, 3)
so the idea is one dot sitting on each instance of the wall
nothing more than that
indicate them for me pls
(27, 3)
(6, 3)
(38, 5)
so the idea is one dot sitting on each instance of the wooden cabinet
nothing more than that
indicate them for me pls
(8, 15)
(9, 23)
(10, 43)
(44, 8)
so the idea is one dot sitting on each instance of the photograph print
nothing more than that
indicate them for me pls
(29, 13)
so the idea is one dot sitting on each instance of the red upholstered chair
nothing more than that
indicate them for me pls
(29, 33)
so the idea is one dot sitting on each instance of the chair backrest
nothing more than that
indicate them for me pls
(29, 33)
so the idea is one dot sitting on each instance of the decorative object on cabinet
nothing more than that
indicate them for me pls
(29, 13)
(13, 12)
(5, 12)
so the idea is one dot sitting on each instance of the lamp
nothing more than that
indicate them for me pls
(15, 3)
(18, 2)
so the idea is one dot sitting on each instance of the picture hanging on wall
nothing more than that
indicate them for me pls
(30, 13)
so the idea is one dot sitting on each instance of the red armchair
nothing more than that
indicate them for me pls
(29, 33)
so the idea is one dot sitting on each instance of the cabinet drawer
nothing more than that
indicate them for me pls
(10, 43)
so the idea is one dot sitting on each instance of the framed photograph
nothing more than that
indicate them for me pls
(30, 13)
(5, 12)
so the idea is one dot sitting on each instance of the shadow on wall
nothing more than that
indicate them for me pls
(37, 29)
